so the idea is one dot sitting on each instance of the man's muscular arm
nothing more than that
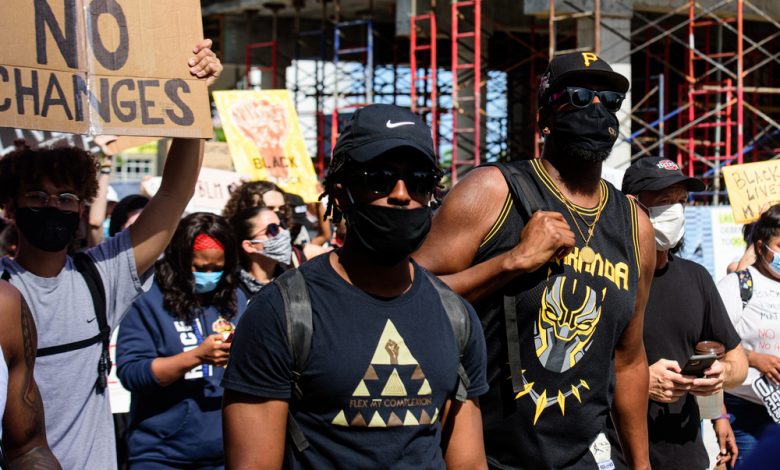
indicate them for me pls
(24, 429)
(629, 406)
(462, 223)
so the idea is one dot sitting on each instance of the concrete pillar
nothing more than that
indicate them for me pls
(615, 50)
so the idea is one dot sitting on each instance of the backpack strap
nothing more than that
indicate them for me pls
(461, 328)
(86, 267)
(298, 315)
(522, 187)
(745, 286)
(527, 196)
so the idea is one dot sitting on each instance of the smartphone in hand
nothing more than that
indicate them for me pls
(697, 364)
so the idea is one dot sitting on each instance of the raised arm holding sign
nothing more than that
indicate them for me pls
(45, 191)
(103, 67)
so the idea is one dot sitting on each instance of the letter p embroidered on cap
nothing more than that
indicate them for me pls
(588, 58)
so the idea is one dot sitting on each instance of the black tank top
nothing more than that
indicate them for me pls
(570, 316)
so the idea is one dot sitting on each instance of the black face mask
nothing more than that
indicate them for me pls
(47, 228)
(388, 234)
(588, 133)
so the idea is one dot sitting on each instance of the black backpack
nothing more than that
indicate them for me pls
(298, 314)
(745, 286)
(86, 267)
(528, 199)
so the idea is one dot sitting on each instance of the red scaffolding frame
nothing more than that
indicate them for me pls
(426, 102)
(475, 67)
(273, 68)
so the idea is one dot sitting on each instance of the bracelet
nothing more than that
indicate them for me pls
(723, 416)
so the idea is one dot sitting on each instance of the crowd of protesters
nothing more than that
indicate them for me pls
(252, 339)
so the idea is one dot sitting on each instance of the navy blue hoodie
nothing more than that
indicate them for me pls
(182, 423)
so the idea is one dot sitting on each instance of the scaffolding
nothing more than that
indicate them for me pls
(353, 85)
(266, 66)
(424, 64)
(466, 100)
(700, 83)
(308, 86)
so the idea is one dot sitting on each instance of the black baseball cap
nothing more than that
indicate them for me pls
(577, 68)
(378, 128)
(654, 173)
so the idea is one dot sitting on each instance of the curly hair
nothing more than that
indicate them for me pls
(67, 167)
(250, 194)
(174, 274)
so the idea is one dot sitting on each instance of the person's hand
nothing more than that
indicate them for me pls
(213, 351)
(726, 442)
(545, 236)
(205, 63)
(767, 364)
(667, 385)
(711, 383)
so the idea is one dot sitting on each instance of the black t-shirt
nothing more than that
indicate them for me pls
(379, 372)
(570, 316)
(683, 308)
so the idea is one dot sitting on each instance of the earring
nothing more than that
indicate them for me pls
(546, 131)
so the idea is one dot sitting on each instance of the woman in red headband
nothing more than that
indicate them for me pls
(174, 344)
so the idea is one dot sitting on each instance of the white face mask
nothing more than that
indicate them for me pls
(668, 224)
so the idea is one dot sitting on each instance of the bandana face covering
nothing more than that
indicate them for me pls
(389, 234)
(278, 248)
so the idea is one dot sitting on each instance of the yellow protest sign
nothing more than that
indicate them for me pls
(265, 139)
(102, 67)
(752, 187)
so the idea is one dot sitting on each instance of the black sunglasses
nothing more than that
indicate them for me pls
(271, 230)
(582, 97)
(419, 183)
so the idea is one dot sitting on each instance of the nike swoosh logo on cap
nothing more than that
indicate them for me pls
(393, 125)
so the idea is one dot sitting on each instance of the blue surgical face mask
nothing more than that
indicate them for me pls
(206, 282)
(774, 265)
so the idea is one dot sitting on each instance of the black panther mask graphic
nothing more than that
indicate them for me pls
(562, 336)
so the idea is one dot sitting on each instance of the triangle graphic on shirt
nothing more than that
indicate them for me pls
(358, 421)
(410, 420)
(370, 374)
(425, 418)
(340, 419)
(418, 373)
(377, 421)
(394, 421)
(391, 349)
(394, 386)
(425, 389)
(361, 390)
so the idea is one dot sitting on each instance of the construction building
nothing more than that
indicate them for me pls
(702, 72)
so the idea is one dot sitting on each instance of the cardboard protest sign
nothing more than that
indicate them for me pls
(217, 155)
(211, 191)
(751, 187)
(102, 67)
(265, 139)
